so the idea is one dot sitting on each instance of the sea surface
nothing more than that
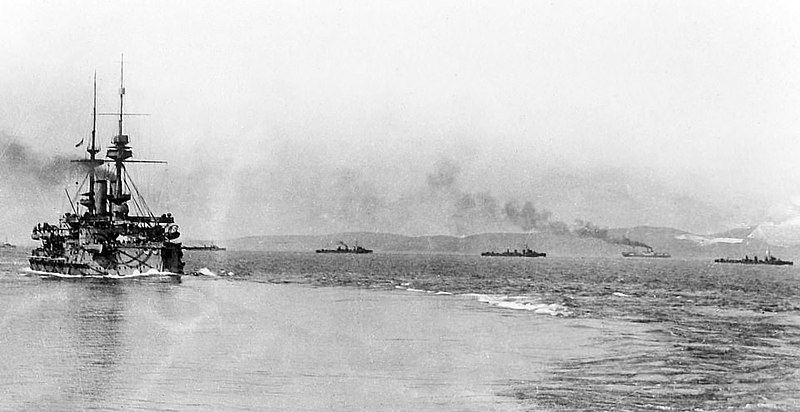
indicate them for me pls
(405, 332)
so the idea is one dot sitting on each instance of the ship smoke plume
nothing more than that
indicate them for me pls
(480, 211)
(17, 161)
(29, 185)
(589, 229)
(299, 193)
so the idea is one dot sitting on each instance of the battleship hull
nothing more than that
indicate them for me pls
(122, 262)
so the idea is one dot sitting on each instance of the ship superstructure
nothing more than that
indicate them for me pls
(101, 236)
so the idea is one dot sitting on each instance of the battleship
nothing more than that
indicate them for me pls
(769, 260)
(516, 253)
(343, 248)
(647, 253)
(6, 245)
(101, 237)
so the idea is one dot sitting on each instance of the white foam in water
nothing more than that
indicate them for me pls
(206, 272)
(522, 303)
(510, 302)
(135, 274)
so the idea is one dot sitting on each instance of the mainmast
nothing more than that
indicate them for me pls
(92, 149)
(119, 152)
(121, 92)
(121, 101)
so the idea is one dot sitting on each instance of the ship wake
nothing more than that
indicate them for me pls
(152, 273)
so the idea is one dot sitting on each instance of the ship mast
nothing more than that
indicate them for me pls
(93, 149)
(93, 200)
(119, 152)
(119, 134)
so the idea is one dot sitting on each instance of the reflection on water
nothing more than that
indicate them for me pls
(95, 313)
(68, 344)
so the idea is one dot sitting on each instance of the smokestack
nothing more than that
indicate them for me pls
(100, 197)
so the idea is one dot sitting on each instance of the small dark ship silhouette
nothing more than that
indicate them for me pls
(212, 247)
(102, 237)
(6, 245)
(769, 260)
(343, 248)
(527, 252)
(648, 253)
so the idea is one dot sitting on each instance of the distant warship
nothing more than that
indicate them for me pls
(6, 245)
(647, 253)
(343, 248)
(769, 260)
(100, 237)
(212, 247)
(516, 253)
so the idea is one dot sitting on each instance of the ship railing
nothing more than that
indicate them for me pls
(50, 230)
(163, 219)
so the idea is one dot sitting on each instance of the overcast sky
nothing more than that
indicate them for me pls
(297, 117)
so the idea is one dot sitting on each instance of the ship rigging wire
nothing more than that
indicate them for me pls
(131, 185)
(72, 199)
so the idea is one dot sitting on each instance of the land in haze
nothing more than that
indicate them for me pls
(606, 243)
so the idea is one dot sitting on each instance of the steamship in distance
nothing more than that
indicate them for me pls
(527, 252)
(343, 248)
(101, 237)
(647, 253)
(6, 245)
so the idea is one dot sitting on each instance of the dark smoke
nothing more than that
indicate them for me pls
(629, 242)
(339, 200)
(526, 217)
(481, 211)
(477, 206)
(588, 229)
(29, 187)
(17, 161)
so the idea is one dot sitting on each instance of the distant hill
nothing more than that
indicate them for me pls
(679, 244)
(384, 242)
(682, 244)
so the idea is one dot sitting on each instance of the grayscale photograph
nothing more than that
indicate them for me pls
(400, 206)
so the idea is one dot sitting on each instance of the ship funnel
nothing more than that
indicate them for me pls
(100, 197)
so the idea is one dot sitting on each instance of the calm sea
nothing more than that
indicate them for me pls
(300, 331)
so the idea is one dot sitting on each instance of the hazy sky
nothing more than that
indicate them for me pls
(304, 117)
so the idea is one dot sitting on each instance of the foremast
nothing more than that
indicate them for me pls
(89, 200)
